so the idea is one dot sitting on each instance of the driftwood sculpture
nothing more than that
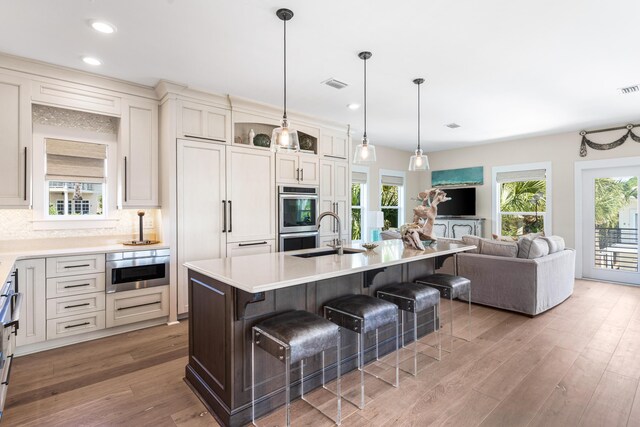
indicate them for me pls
(424, 216)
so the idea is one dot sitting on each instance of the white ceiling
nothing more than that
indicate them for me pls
(499, 68)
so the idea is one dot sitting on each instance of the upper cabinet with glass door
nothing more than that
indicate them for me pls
(15, 141)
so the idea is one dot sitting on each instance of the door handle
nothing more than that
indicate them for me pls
(298, 174)
(224, 216)
(301, 174)
(230, 217)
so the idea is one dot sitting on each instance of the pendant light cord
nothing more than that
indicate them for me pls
(285, 69)
(419, 116)
(365, 98)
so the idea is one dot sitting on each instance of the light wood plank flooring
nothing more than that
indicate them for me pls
(578, 364)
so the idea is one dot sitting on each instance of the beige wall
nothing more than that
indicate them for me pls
(562, 150)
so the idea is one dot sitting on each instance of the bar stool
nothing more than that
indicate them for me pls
(450, 287)
(291, 337)
(362, 314)
(413, 298)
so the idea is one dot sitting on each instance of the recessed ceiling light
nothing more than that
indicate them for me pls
(103, 27)
(91, 60)
(353, 106)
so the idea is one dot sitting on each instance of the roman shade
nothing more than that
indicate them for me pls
(524, 175)
(75, 161)
(358, 177)
(392, 180)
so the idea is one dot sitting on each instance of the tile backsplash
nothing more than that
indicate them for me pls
(17, 224)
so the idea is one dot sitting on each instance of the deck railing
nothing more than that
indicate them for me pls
(616, 248)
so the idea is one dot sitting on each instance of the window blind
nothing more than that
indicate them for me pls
(392, 180)
(358, 177)
(75, 161)
(524, 175)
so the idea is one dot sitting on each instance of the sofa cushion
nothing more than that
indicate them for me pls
(532, 248)
(498, 248)
(556, 243)
(472, 240)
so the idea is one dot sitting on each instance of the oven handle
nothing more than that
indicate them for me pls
(293, 235)
(299, 196)
(15, 315)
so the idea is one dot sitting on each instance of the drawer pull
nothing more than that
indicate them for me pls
(79, 324)
(77, 266)
(252, 244)
(77, 305)
(77, 286)
(139, 305)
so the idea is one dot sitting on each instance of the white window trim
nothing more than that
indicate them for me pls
(41, 218)
(364, 202)
(496, 220)
(401, 196)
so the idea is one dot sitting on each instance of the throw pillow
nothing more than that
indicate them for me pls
(556, 243)
(532, 248)
(472, 240)
(498, 248)
(504, 238)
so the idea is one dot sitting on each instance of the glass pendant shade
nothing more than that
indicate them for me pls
(419, 161)
(284, 138)
(365, 153)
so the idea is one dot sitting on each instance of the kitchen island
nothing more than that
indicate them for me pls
(228, 296)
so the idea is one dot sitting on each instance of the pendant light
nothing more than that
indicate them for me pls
(285, 138)
(365, 152)
(419, 161)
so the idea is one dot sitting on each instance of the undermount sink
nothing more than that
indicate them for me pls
(346, 251)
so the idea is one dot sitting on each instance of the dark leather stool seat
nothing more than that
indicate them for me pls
(307, 334)
(292, 337)
(452, 286)
(413, 298)
(362, 314)
(372, 311)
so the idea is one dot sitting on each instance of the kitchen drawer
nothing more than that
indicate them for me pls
(138, 305)
(74, 325)
(77, 264)
(75, 285)
(78, 304)
(251, 248)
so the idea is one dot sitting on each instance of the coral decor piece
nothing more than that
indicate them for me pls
(424, 217)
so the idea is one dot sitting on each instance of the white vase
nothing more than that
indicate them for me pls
(252, 134)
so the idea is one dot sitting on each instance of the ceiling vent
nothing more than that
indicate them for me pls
(335, 83)
(629, 89)
(453, 125)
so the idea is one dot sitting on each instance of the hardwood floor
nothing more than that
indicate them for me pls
(578, 364)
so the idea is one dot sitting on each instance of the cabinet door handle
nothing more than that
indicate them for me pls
(77, 266)
(77, 286)
(203, 138)
(252, 244)
(77, 305)
(335, 157)
(230, 217)
(125, 178)
(5, 381)
(139, 305)
(224, 216)
(25, 173)
(77, 325)
(298, 174)
(301, 174)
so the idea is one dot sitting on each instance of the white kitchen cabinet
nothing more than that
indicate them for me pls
(76, 324)
(31, 284)
(334, 145)
(127, 307)
(75, 285)
(455, 228)
(75, 264)
(15, 142)
(251, 194)
(251, 248)
(202, 211)
(74, 305)
(77, 97)
(139, 153)
(334, 197)
(297, 169)
(203, 122)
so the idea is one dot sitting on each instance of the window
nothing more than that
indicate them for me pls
(358, 205)
(75, 178)
(522, 199)
(392, 199)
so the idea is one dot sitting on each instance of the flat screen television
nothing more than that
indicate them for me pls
(462, 203)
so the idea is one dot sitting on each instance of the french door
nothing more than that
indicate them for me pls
(610, 224)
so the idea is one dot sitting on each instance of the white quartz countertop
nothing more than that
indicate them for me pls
(265, 272)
